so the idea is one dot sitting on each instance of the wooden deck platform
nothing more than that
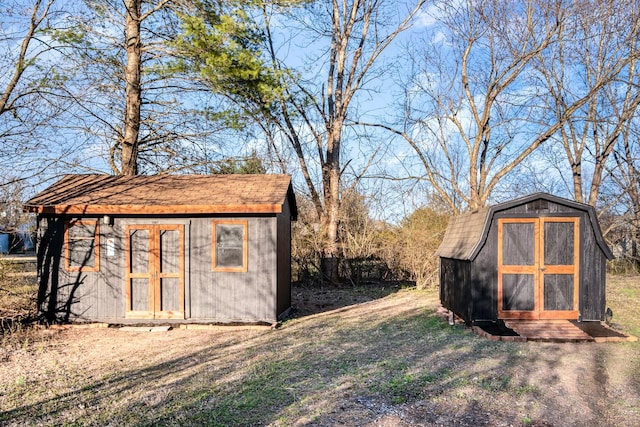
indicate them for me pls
(552, 331)
(548, 330)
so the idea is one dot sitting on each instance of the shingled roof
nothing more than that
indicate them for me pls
(165, 194)
(464, 234)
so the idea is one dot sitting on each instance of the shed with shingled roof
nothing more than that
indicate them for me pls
(165, 248)
(537, 257)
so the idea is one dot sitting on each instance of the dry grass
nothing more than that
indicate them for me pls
(623, 296)
(17, 305)
(353, 356)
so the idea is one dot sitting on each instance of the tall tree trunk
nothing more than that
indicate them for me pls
(133, 92)
(357, 35)
(331, 250)
(635, 238)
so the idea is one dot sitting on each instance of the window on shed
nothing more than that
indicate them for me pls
(82, 245)
(230, 245)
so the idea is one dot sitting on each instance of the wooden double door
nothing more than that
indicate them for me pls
(538, 268)
(154, 271)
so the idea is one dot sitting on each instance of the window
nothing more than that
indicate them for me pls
(81, 245)
(229, 245)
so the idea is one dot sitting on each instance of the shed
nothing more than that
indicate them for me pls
(537, 257)
(169, 248)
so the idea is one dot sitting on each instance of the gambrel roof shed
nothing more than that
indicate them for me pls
(179, 248)
(539, 256)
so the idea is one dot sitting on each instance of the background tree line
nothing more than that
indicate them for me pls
(389, 116)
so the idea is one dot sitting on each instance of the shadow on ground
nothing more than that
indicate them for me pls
(356, 361)
(308, 299)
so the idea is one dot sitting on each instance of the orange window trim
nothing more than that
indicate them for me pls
(96, 246)
(245, 247)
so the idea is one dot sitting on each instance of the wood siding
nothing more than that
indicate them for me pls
(470, 287)
(484, 279)
(455, 291)
(592, 274)
(234, 296)
(284, 260)
(70, 295)
(592, 271)
(592, 268)
(252, 296)
(538, 265)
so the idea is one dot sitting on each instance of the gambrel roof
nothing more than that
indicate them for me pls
(165, 194)
(466, 234)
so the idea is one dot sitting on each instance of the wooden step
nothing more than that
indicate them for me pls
(548, 330)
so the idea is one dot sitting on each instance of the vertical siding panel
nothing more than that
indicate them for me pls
(235, 296)
(484, 278)
(284, 260)
(592, 274)
(80, 295)
(111, 285)
(268, 282)
(455, 293)
(257, 277)
(201, 298)
(51, 271)
(210, 296)
(186, 245)
(76, 290)
(257, 286)
(447, 281)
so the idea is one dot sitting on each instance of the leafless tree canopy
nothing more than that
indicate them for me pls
(315, 111)
(470, 102)
(494, 81)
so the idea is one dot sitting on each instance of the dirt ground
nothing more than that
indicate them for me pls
(348, 357)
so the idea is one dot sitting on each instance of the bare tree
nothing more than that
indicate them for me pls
(626, 174)
(30, 88)
(313, 114)
(602, 39)
(133, 96)
(476, 108)
(19, 59)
